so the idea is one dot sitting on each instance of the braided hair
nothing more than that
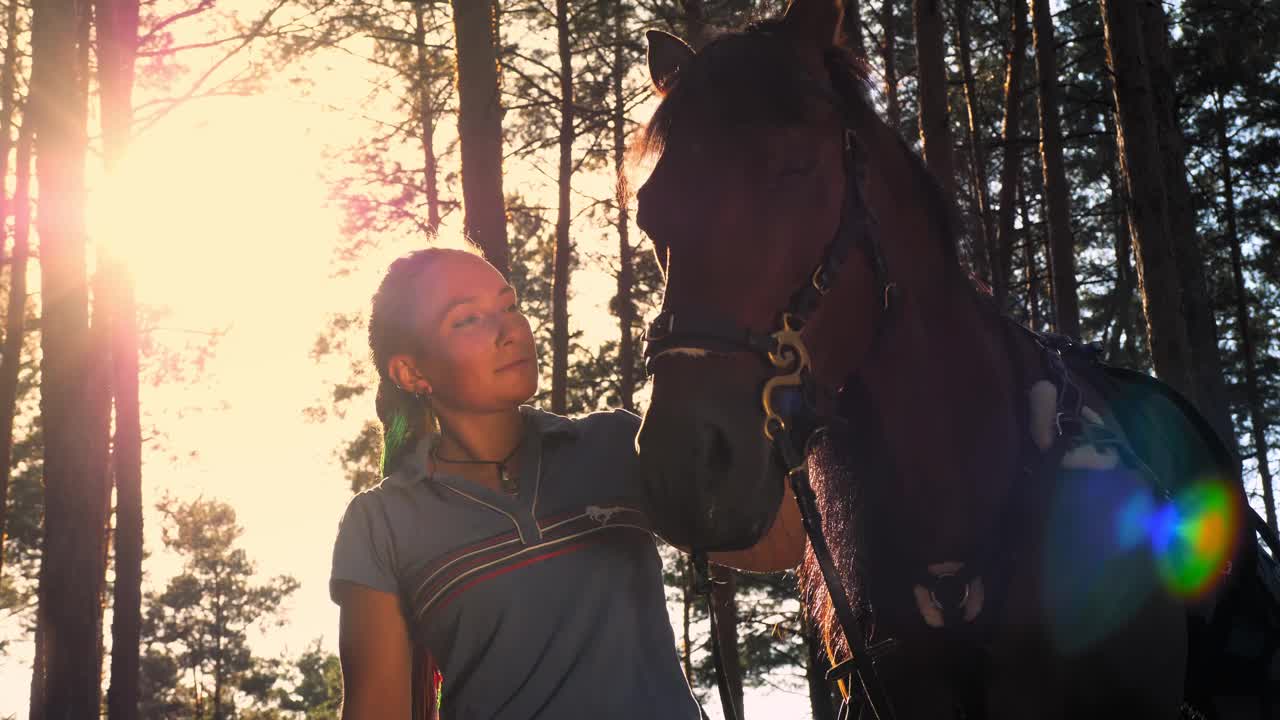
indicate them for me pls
(394, 330)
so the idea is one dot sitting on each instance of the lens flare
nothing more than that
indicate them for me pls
(1194, 537)
(1191, 536)
(1111, 542)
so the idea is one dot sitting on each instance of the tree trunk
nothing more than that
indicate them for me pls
(815, 671)
(480, 128)
(1011, 171)
(935, 126)
(625, 303)
(218, 625)
(977, 154)
(1066, 305)
(1197, 306)
(1116, 349)
(21, 236)
(1031, 269)
(36, 709)
(426, 118)
(117, 34)
(851, 24)
(17, 307)
(70, 386)
(1253, 396)
(724, 603)
(686, 648)
(889, 51)
(564, 213)
(126, 614)
(1136, 136)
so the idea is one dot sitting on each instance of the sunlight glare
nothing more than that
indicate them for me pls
(206, 214)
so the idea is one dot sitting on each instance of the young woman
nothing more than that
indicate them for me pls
(508, 542)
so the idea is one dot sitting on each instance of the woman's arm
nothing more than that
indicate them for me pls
(782, 548)
(377, 661)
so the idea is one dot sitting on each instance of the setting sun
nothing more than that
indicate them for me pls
(207, 217)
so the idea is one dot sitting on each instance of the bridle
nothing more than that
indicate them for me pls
(792, 420)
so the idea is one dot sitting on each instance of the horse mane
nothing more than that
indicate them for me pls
(750, 78)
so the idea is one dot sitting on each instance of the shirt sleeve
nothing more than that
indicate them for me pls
(363, 552)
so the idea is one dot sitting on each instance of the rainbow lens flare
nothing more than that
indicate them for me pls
(1110, 543)
(1193, 537)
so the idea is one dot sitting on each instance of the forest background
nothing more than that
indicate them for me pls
(199, 197)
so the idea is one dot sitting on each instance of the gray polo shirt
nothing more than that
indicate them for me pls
(546, 604)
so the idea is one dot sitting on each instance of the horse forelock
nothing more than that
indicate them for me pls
(752, 78)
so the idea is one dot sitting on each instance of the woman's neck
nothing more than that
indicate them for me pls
(480, 436)
(486, 437)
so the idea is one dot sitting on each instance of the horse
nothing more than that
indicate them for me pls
(1002, 526)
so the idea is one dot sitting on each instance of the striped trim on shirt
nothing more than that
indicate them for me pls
(458, 571)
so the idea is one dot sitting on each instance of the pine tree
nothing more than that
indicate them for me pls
(117, 36)
(15, 316)
(935, 123)
(480, 127)
(1011, 170)
(200, 621)
(1061, 246)
(73, 404)
(1202, 330)
(1158, 276)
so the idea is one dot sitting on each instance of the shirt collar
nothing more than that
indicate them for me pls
(413, 468)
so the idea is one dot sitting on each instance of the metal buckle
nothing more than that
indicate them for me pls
(656, 332)
(790, 356)
(946, 582)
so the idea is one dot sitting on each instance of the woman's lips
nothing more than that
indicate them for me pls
(513, 365)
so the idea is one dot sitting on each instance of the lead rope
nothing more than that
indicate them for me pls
(702, 585)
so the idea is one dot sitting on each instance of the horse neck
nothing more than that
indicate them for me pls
(941, 386)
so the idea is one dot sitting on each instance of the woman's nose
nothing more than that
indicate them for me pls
(505, 328)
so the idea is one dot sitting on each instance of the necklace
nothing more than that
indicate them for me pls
(509, 484)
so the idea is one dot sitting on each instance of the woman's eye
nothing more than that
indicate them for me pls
(513, 307)
(465, 320)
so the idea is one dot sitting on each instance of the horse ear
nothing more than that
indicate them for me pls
(667, 54)
(815, 22)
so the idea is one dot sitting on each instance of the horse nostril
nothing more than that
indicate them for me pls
(716, 449)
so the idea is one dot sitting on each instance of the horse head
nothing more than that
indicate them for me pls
(753, 138)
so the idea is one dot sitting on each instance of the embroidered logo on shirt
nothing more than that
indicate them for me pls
(603, 515)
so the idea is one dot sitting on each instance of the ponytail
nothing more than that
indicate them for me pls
(406, 419)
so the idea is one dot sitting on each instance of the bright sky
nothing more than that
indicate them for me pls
(221, 213)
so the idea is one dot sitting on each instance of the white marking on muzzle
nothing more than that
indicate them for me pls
(692, 352)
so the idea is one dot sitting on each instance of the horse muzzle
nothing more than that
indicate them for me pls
(706, 467)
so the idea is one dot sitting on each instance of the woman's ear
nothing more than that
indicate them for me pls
(406, 375)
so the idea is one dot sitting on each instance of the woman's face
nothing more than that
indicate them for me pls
(479, 352)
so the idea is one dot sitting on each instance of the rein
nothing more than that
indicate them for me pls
(792, 424)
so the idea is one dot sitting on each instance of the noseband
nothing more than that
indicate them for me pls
(792, 423)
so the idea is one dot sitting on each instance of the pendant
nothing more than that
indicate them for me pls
(508, 483)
